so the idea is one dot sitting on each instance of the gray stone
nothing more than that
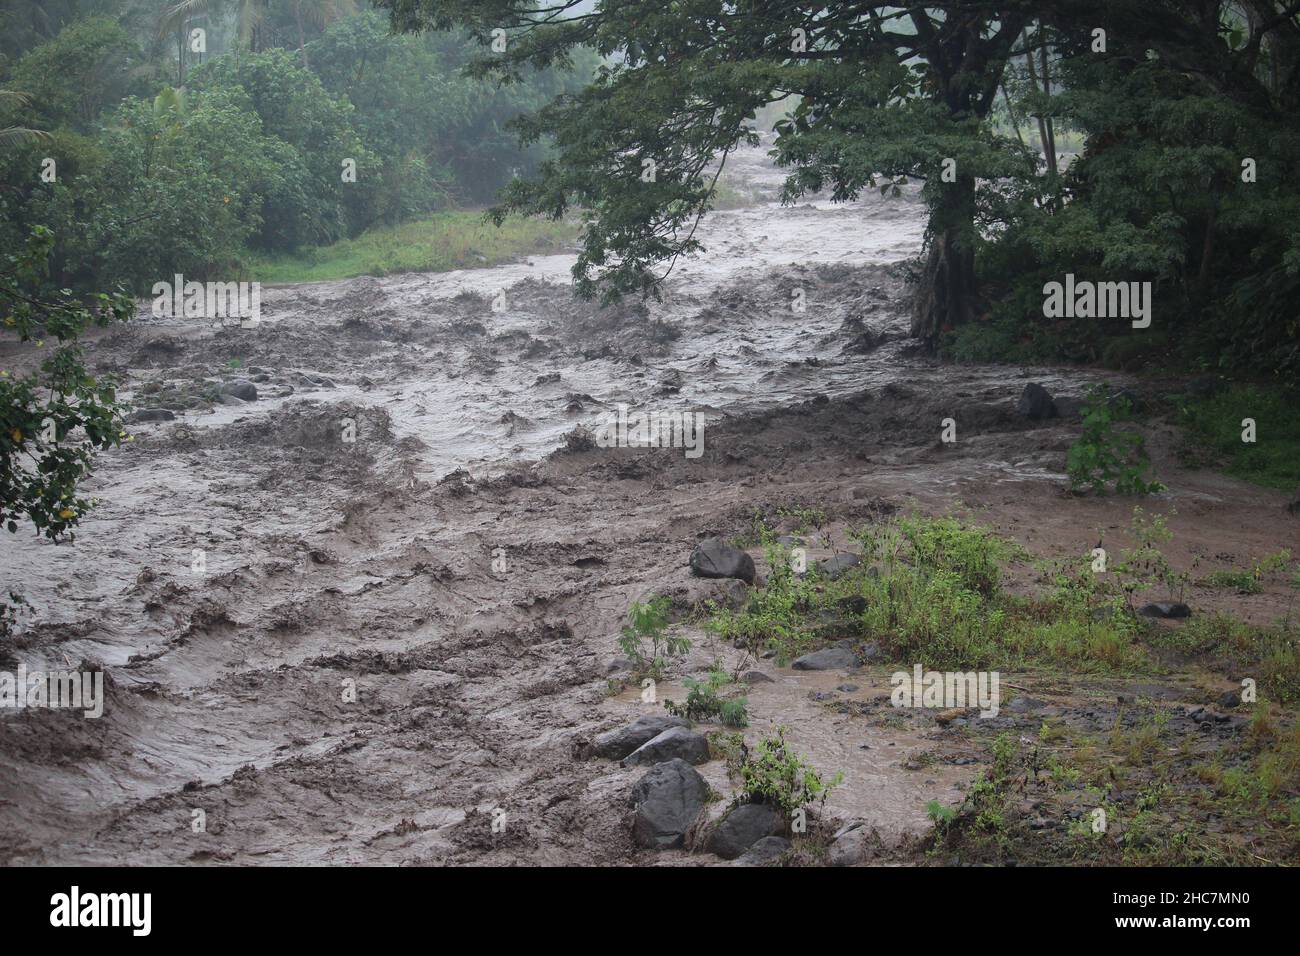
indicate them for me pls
(666, 803)
(617, 744)
(714, 558)
(853, 604)
(1067, 406)
(851, 846)
(618, 665)
(765, 851)
(675, 743)
(240, 388)
(869, 652)
(1229, 698)
(836, 566)
(1035, 402)
(742, 827)
(153, 415)
(756, 677)
(829, 659)
(1024, 705)
(1165, 609)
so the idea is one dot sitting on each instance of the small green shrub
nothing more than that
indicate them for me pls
(1243, 582)
(940, 815)
(1105, 455)
(703, 702)
(774, 774)
(646, 641)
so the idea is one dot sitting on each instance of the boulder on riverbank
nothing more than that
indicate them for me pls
(714, 558)
(617, 744)
(666, 803)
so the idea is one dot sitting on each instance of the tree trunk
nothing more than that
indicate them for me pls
(1047, 91)
(302, 40)
(946, 291)
(1049, 158)
(969, 66)
(1207, 248)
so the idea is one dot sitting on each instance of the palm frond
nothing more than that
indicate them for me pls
(179, 12)
(250, 15)
(16, 135)
(14, 98)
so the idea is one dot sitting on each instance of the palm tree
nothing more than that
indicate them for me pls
(321, 13)
(249, 16)
(13, 135)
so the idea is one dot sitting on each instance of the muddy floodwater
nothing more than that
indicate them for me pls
(330, 649)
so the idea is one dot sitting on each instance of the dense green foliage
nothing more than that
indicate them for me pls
(255, 152)
(1214, 427)
(1183, 181)
(1105, 455)
(53, 418)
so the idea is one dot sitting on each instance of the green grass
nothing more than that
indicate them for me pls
(1214, 435)
(929, 591)
(447, 240)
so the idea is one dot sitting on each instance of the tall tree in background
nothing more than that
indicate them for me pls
(1188, 123)
(885, 91)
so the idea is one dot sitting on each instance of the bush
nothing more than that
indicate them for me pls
(774, 774)
(1214, 434)
(645, 639)
(703, 702)
(51, 423)
(87, 68)
(1104, 454)
(308, 134)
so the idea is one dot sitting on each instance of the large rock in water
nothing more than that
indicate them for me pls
(829, 659)
(673, 743)
(667, 801)
(714, 558)
(1035, 402)
(743, 827)
(765, 851)
(1067, 406)
(852, 845)
(617, 744)
(240, 388)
